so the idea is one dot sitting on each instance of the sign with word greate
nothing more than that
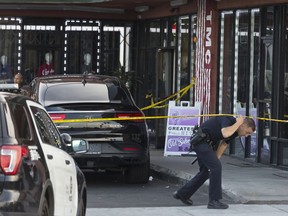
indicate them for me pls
(180, 125)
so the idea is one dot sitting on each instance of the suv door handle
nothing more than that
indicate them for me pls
(50, 156)
(67, 162)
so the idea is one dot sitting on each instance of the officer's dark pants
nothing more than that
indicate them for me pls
(210, 167)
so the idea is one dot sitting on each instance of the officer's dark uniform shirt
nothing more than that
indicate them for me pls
(213, 128)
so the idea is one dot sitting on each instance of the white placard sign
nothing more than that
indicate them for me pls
(180, 127)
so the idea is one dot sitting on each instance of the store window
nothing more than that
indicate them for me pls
(174, 28)
(239, 55)
(284, 132)
(10, 48)
(42, 48)
(284, 86)
(226, 62)
(186, 50)
(82, 46)
(116, 44)
(264, 100)
(155, 34)
(183, 51)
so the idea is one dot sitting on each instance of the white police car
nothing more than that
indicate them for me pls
(37, 175)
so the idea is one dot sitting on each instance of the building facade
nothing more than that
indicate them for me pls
(235, 51)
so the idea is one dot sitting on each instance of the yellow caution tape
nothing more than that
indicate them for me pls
(178, 94)
(160, 117)
(182, 92)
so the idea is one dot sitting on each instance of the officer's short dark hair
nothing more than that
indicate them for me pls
(250, 123)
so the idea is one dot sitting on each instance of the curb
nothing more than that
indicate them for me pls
(175, 177)
(181, 178)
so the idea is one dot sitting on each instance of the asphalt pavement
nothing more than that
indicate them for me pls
(256, 189)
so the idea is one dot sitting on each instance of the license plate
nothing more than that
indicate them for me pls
(95, 148)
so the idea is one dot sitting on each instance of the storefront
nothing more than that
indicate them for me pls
(253, 78)
(237, 52)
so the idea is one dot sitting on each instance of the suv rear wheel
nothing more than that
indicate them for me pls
(138, 174)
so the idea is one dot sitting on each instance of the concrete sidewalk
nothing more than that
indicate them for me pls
(233, 210)
(257, 189)
(243, 181)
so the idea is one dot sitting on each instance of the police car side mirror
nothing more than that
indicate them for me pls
(80, 146)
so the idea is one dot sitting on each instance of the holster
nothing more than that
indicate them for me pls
(197, 137)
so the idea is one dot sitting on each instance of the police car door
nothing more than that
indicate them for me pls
(62, 168)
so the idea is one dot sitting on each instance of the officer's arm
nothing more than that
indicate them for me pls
(229, 131)
(221, 148)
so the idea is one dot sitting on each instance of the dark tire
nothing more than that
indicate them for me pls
(81, 209)
(45, 208)
(160, 142)
(138, 174)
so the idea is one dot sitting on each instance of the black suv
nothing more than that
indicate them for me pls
(100, 110)
(37, 175)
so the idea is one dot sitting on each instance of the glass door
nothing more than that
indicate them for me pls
(164, 88)
(264, 86)
(264, 102)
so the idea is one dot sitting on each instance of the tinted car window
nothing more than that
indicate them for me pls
(22, 125)
(77, 92)
(117, 94)
(7, 121)
(1, 120)
(47, 130)
(16, 121)
(83, 93)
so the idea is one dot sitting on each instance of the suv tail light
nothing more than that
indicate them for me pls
(129, 115)
(57, 116)
(10, 158)
(130, 149)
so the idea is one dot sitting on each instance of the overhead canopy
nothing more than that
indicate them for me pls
(53, 1)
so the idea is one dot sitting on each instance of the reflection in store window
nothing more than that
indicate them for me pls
(10, 48)
(83, 36)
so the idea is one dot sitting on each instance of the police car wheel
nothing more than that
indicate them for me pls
(81, 208)
(45, 208)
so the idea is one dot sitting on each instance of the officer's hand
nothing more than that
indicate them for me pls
(240, 119)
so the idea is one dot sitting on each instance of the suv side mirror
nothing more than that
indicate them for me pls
(66, 138)
(80, 146)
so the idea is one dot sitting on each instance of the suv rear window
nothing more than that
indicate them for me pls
(90, 92)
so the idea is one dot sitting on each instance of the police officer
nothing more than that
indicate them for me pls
(219, 131)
